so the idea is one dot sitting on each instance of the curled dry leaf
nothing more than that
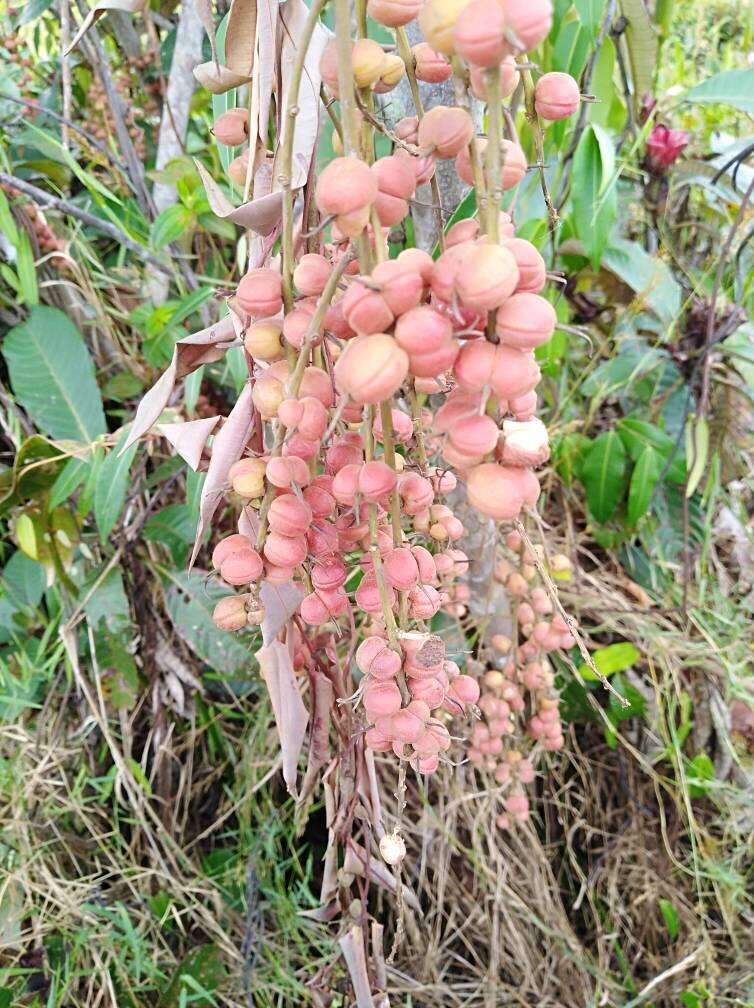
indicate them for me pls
(191, 352)
(204, 11)
(293, 15)
(261, 215)
(291, 716)
(280, 602)
(352, 947)
(189, 438)
(319, 742)
(356, 862)
(239, 47)
(227, 448)
(124, 6)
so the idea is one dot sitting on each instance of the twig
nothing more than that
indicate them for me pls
(555, 599)
(48, 200)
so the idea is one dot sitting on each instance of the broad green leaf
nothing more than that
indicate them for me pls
(70, 478)
(190, 599)
(671, 918)
(173, 222)
(603, 473)
(593, 193)
(107, 608)
(23, 581)
(52, 376)
(111, 488)
(34, 9)
(732, 87)
(644, 478)
(648, 276)
(590, 15)
(641, 40)
(611, 659)
(638, 435)
(568, 455)
(571, 49)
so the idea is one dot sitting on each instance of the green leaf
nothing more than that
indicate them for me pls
(203, 966)
(170, 225)
(190, 599)
(52, 376)
(671, 918)
(23, 581)
(71, 477)
(638, 435)
(643, 481)
(33, 10)
(701, 774)
(593, 195)
(568, 456)
(110, 491)
(603, 474)
(641, 40)
(28, 291)
(732, 87)
(571, 49)
(647, 275)
(590, 15)
(611, 659)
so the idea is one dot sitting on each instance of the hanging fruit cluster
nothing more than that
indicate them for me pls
(379, 384)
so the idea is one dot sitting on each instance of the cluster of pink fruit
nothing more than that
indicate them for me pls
(519, 693)
(381, 379)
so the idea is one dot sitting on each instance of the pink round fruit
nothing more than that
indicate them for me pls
(285, 551)
(289, 516)
(524, 443)
(260, 292)
(393, 13)
(376, 480)
(347, 188)
(241, 568)
(514, 164)
(311, 274)
(480, 33)
(328, 68)
(371, 368)
(528, 21)
(487, 276)
(429, 66)
(445, 130)
(499, 491)
(525, 321)
(381, 699)
(509, 77)
(556, 96)
(474, 435)
(365, 310)
(232, 127)
(532, 271)
(401, 288)
(396, 183)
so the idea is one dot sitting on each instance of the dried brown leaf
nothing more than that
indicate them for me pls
(99, 9)
(293, 15)
(352, 947)
(291, 716)
(240, 37)
(218, 79)
(191, 352)
(189, 438)
(261, 215)
(227, 448)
